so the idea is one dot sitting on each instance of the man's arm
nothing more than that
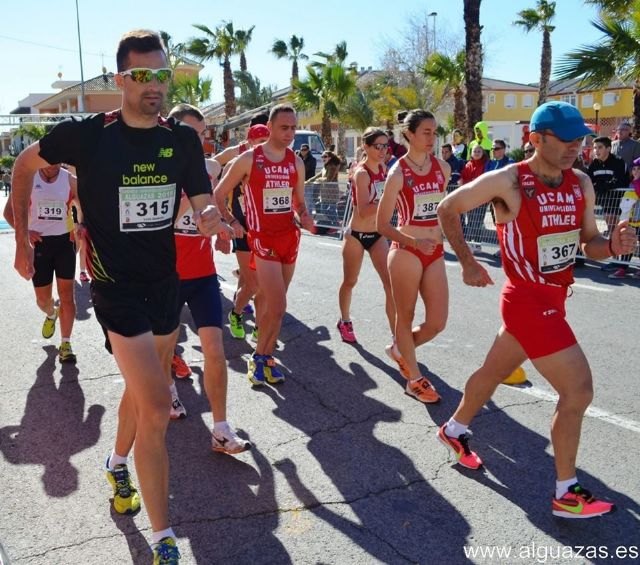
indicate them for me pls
(227, 155)
(594, 244)
(25, 167)
(494, 185)
(233, 175)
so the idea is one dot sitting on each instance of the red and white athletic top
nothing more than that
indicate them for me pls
(376, 183)
(268, 194)
(49, 212)
(540, 245)
(418, 200)
(194, 252)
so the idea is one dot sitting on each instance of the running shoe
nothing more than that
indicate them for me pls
(580, 503)
(422, 390)
(620, 273)
(248, 309)
(346, 331)
(166, 552)
(394, 354)
(179, 367)
(84, 278)
(460, 448)
(235, 325)
(273, 375)
(177, 411)
(126, 499)
(49, 325)
(256, 369)
(65, 353)
(608, 267)
(225, 440)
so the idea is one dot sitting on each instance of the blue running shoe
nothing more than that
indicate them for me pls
(248, 309)
(272, 373)
(256, 369)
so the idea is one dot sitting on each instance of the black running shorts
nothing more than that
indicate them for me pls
(132, 309)
(54, 254)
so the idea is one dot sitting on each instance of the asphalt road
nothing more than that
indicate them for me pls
(346, 469)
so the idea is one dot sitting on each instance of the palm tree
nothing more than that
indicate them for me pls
(324, 89)
(174, 50)
(449, 73)
(192, 90)
(242, 40)
(292, 52)
(219, 44)
(356, 111)
(252, 94)
(615, 55)
(473, 64)
(539, 18)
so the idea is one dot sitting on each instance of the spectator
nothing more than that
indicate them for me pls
(607, 173)
(396, 149)
(630, 206)
(529, 150)
(309, 161)
(500, 158)
(625, 147)
(481, 138)
(460, 149)
(474, 224)
(455, 164)
(6, 180)
(331, 166)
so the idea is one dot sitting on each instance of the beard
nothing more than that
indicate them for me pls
(151, 107)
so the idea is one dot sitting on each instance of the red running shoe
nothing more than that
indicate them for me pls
(179, 367)
(580, 503)
(346, 331)
(460, 448)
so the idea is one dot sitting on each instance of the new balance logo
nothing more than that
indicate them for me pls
(166, 152)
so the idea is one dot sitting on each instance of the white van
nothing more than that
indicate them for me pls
(314, 141)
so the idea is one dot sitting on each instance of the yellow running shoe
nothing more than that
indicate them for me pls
(166, 552)
(49, 325)
(65, 353)
(126, 499)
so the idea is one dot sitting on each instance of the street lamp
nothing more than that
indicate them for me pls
(434, 15)
(596, 109)
(81, 108)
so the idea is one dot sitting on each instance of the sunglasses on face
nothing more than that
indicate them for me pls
(146, 75)
(497, 148)
(380, 146)
(529, 150)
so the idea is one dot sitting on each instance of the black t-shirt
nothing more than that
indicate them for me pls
(129, 186)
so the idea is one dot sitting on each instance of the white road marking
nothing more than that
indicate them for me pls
(592, 411)
(591, 287)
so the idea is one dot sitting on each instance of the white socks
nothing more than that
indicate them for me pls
(157, 536)
(562, 487)
(115, 459)
(455, 429)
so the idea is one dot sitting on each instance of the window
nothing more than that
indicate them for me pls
(492, 98)
(587, 101)
(609, 98)
(527, 101)
(569, 99)
(484, 103)
(509, 100)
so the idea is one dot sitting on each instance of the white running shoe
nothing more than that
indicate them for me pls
(178, 411)
(225, 440)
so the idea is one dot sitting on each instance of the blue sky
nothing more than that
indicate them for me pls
(38, 38)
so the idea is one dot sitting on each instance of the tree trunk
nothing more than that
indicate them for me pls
(459, 110)
(341, 148)
(636, 109)
(473, 64)
(243, 62)
(294, 70)
(325, 132)
(229, 89)
(545, 67)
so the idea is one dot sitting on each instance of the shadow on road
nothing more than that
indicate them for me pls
(53, 428)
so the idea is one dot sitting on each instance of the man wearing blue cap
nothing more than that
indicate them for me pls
(544, 214)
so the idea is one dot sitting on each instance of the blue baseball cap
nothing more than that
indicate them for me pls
(564, 120)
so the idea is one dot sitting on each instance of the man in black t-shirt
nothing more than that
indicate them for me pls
(131, 166)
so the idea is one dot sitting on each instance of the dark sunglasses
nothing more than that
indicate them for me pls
(529, 150)
(146, 75)
(497, 148)
(380, 146)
